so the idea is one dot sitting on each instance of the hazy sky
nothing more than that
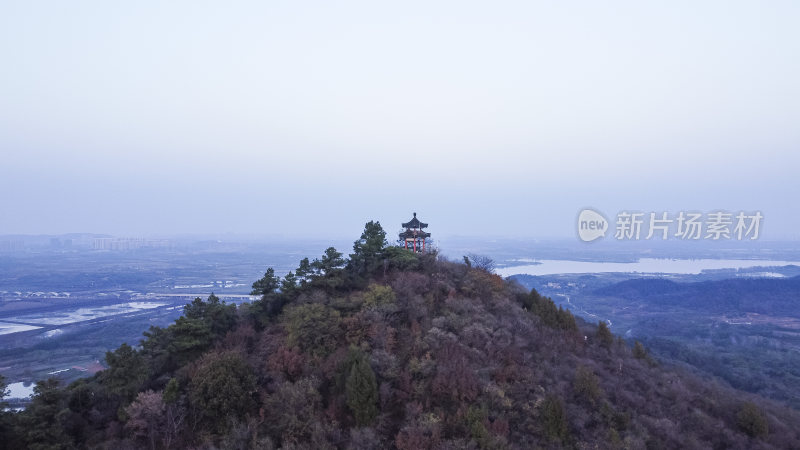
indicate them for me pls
(496, 118)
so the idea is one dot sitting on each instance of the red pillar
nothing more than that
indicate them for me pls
(423, 246)
(415, 246)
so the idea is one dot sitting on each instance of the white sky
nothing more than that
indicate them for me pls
(309, 118)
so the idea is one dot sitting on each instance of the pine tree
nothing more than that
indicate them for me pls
(368, 251)
(361, 390)
(604, 335)
(267, 285)
(554, 419)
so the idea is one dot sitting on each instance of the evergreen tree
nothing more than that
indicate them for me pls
(361, 390)
(604, 336)
(6, 417)
(271, 302)
(304, 272)
(267, 285)
(172, 391)
(328, 271)
(586, 385)
(222, 388)
(289, 285)
(126, 372)
(368, 250)
(41, 422)
(330, 262)
(201, 325)
(554, 419)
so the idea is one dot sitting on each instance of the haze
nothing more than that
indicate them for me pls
(309, 118)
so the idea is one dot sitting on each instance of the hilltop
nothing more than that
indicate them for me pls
(388, 348)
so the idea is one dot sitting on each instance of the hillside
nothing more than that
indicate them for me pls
(772, 296)
(743, 330)
(391, 349)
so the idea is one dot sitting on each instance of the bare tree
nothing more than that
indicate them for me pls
(482, 262)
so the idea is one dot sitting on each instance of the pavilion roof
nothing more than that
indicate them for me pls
(415, 223)
(414, 234)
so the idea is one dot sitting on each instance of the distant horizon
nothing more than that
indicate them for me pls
(482, 237)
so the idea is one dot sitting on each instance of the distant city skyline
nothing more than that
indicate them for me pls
(153, 119)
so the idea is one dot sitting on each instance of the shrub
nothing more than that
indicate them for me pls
(751, 420)
(291, 409)
(314, 328)
(377, 295)
(401, 259)
(222, 387)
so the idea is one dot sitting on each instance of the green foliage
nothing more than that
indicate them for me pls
(476, 418)
(615, 420)
(172, 391)
(552, 316)
(377, 295)
(315, 328)
(361, 390)
(328, 272)
(267, 284)
(126, 372)
(190, 339)
(604, 336)
(751, 420)
(202, 324)
(157, 349)
(222, 387)
(289, 285)
(639, 352)
(304, 272)
(271, 302)
(41, 421)
(330, 262)
(368, 250)
(6, 420)
(3, 392)
(554, 419)
(192, 334)
(354, 354)
(219, 316)
(586, 385)
(401, 259)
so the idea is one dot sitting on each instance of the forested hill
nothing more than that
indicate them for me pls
(759, 295)
(391, 349)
